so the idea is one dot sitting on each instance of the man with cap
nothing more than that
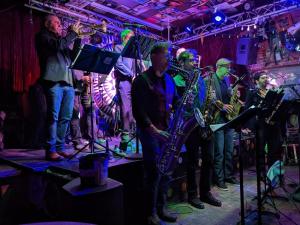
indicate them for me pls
(223, 139)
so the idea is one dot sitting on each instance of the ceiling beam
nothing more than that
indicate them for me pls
(238, 20)
(126, 16)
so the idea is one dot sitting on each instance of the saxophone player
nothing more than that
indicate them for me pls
(223, 139)
(153, 94)
(186, 59)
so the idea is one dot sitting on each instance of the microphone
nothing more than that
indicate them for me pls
(133, 25)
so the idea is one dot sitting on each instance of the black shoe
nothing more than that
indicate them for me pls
(210, 199)
(222, 186)
(232, 180)
(154, 220)
(165, 216)
(196, 203)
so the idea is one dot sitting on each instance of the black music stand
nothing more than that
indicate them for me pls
(268, 106)
(138, 47)
(237, 123)
(90, 58)
(262, 111)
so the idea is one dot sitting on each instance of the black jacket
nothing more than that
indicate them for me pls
(149, 106)
(55, 56)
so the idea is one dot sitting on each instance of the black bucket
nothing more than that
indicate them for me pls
(93, 169)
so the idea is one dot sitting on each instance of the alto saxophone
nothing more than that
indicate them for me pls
(181, 125)
(235, 99)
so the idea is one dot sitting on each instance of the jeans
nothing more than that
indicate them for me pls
(155, 183)
(60, 100)
(192, 144)
(223, 146)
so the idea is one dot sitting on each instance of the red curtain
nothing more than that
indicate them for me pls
(214, 48)
(19, 67)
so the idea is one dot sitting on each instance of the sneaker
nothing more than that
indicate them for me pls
(232, 180)
(222, 186)
(80, 146)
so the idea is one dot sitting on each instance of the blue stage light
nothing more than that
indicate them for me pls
(219, 17)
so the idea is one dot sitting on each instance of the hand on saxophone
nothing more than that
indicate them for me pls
(159, 134)
(228, 108)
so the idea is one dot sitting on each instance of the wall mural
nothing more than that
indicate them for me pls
(277, 46)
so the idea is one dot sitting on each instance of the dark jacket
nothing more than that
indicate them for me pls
(217, 87)
(55, 56)
(147, 107)
(252, 99)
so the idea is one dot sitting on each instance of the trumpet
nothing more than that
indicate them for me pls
(93, 29)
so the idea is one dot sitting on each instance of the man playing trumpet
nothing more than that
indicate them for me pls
(55, 58)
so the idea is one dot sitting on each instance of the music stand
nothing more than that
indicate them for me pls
(90, 58)
(237, 123)
(138, 47)
(265, 109)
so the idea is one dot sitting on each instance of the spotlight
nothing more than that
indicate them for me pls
(248, 5)
(219, 18)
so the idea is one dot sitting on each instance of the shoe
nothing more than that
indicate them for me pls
(222, 186)
(210, 199)
(53, 156)
(154, 220)
(165, 216)
(101, 141)
(80, 146)
(98, 147)
(232, 180)
(196, 203)
(65, 154)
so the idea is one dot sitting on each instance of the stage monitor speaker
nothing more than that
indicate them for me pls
(246, 51)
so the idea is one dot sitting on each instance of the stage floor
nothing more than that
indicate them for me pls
(228, 214)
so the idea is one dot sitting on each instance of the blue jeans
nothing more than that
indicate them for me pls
(156, 185)
(60, 101)
(223, 155)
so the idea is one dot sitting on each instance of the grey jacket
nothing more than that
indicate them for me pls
(125, 67)
(55, 56)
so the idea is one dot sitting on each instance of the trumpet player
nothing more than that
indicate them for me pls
(186, 59)
(55, 59)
